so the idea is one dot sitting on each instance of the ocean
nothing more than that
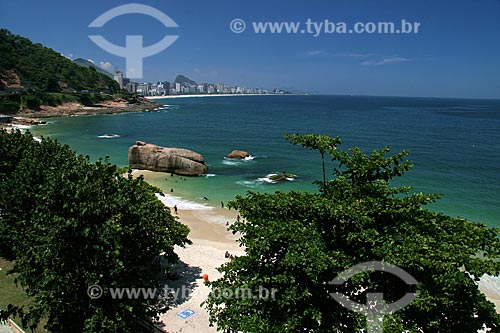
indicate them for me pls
(454, 144)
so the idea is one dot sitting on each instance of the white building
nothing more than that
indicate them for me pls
(220, 88)
(178, 88)
(200, 89)
(118, 77)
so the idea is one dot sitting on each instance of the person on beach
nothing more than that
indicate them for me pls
(238, 218)
(175, 209)
(222, 204)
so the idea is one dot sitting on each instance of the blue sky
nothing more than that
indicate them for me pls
(455, 54)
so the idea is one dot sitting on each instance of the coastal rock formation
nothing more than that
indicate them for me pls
(240, 154)
(146, 156)
(282, 177)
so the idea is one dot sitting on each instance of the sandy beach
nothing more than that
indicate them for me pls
(211, 240)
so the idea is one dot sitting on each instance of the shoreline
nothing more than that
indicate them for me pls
(27, 118)
(211, 95)
(76, 109)
(210, 241)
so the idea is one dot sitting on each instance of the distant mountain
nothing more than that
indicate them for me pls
(85, 63)
(36, 67)
(184, 81)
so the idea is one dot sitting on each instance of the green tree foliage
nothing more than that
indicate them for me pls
(44, 69)
(322, 143)
(298, 242)
(69, 224)
(45, 75)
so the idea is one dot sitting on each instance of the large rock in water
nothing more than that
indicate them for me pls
(238, 154)
(180, 161)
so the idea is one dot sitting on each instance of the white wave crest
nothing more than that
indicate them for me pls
(108, 136)
(171, 201)
(237, 161)
(267, 178)
(260, 181)
(249, 183)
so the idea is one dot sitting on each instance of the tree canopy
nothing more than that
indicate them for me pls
(44, 69)
(297, 243)
(42, 76)
(70, 224)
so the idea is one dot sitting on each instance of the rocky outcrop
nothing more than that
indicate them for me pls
(10, 79)
(282, 177)
(239, 154)
(180, 161)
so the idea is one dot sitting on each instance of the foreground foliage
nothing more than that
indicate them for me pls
(69, 224)
(298, 242)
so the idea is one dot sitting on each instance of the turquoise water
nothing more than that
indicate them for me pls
(454, 143)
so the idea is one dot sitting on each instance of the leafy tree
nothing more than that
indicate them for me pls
(69, 224)
(322, 143)
(298, 242)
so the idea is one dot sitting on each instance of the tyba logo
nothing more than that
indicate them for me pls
(375, 308)
(134, 51)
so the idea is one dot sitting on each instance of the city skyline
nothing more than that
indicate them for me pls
(454, 53)
(164, 88)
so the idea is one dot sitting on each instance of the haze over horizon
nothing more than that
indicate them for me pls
(455, 53)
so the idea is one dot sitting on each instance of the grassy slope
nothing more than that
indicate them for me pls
(10, 293)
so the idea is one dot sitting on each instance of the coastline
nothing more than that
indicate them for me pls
(76, 109)
(27, 118)
(211, 95)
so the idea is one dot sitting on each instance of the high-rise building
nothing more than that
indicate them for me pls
(178, 87)
(118, 77)
(143, 89)
(131, 87)
(220, 88)
(166, 87)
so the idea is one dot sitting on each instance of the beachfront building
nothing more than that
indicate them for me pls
(143, 89)
(178, 88)
(200, 89)
(166, 87)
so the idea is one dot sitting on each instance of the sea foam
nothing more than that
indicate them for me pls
(108, 136)
(237, 161)
(171, 201)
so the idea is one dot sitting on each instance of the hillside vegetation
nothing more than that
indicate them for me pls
(32, 75)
